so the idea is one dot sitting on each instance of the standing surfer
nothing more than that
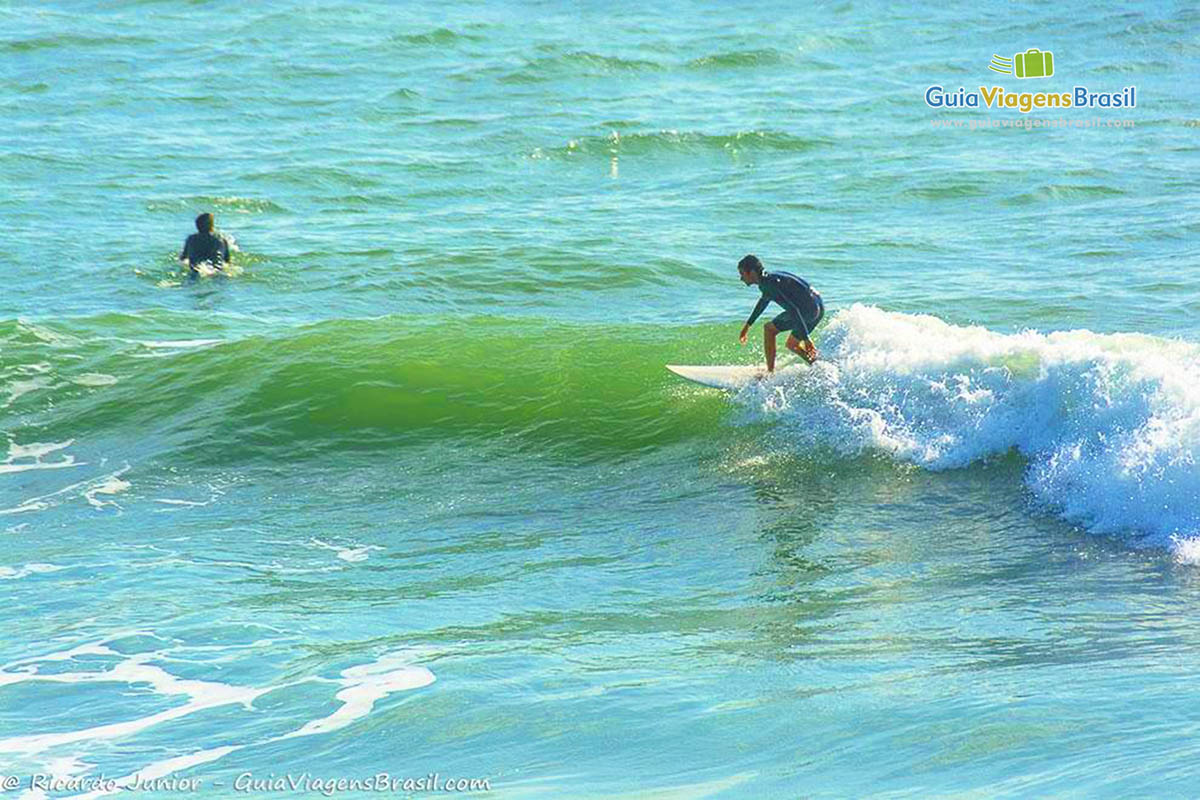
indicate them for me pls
(802, 304)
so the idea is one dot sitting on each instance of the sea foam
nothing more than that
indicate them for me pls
(1108, 423)
(361, 687)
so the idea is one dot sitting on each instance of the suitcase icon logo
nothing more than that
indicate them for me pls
(1033, 63)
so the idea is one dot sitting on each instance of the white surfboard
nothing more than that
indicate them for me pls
(733, 376)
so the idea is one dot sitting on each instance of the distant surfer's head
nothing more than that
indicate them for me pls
(750, 269)
(204, 223)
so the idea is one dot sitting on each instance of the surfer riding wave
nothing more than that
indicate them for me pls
(803, 309)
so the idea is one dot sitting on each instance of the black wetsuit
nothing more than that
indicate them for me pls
(201, 247)
(803, 307)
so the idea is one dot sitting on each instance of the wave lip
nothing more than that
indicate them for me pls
(738, 58)
(1109, 424)
(438, 37)
(578, 64)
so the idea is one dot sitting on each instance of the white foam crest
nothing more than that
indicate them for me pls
(1186, 549)
(47, 335)
(206, 270)
(352, 553)
(13, 573)
(68, 461)
(16, 389)
(86, 649)
(366, 684)
(179, 504)
(94, 379)
(110, 483)
(1110, 424)
(25, 507)
(168, 348)
(35, 451)
(133, 669)
(178, 344)
(363, 686)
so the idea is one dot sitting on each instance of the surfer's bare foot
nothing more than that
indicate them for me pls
(809, 353)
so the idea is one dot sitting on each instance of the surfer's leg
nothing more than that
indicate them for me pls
(785, 322)
(803, 348)
(810, 349)
(806, 351)
(769, 334)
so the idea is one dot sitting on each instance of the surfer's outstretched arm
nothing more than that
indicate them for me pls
(185, 258)
(755, 314)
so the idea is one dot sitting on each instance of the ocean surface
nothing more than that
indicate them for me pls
(410, 492)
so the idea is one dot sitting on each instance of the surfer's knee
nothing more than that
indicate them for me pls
(770, 330)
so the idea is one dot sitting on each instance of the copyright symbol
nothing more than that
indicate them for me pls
(9, 782)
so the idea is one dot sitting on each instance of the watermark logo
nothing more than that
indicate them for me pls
(1033, 63)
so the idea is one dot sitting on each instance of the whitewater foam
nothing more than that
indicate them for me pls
(110, 485)
(351, 553)
(107, 484)
(13, 573)
(362, 687)
(35, 451)
(1109, 424)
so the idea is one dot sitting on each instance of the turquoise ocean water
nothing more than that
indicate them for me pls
(412, 493)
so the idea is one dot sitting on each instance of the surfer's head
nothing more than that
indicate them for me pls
(750, 270)
(204, 223)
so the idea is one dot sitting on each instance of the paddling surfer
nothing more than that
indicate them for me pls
(803, 309)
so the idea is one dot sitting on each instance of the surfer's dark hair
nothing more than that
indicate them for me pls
(750, 264)
(204, 223)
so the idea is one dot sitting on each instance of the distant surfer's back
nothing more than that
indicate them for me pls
(205, 245)
(208, 246)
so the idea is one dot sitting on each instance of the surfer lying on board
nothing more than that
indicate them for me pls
(802, 309)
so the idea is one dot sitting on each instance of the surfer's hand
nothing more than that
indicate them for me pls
(742, 335)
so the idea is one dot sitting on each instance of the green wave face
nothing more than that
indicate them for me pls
(575, 390)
